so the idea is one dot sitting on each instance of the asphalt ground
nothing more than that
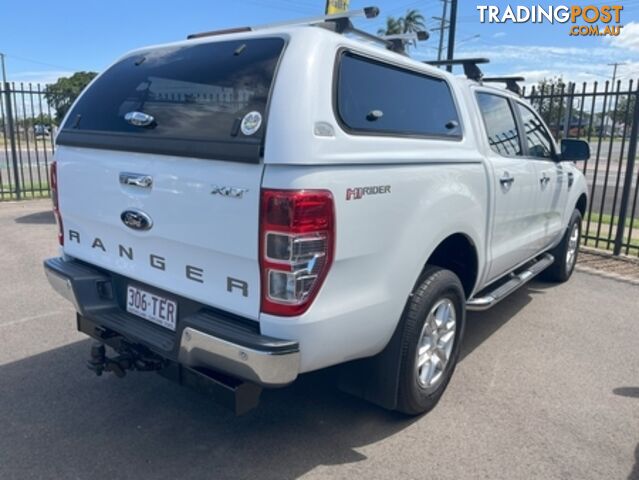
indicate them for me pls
(548, 387)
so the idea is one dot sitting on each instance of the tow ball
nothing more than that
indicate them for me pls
(128, 358)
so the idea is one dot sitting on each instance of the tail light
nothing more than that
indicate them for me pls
(297, 236)
(56, 205)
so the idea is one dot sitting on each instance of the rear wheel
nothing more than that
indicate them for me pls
(566, 252)
(433, 326)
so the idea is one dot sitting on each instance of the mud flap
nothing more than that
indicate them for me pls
(375, 379)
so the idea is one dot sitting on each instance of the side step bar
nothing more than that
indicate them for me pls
(488, 299)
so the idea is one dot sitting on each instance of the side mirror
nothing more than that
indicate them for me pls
(574, 150)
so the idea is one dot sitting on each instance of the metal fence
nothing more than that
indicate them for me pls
(605, 115)
(26, 146)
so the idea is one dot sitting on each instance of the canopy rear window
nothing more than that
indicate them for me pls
(194, 99)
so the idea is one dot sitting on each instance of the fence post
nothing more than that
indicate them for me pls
(568, 114)
(627, 182)
(12, 139)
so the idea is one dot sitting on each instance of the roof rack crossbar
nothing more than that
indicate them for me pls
(368, 12)
(471, 70)
(341, 20)
(511, 82)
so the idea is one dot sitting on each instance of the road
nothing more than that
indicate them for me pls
(548, 387)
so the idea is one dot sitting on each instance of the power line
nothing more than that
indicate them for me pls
(38, 62)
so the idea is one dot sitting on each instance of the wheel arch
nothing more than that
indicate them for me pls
(457, 253)
(582, 204)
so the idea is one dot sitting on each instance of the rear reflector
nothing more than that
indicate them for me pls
(297, 236)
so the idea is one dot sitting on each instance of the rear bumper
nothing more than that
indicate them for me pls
(203, 339)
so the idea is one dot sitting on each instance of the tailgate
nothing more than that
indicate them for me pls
(159, 168)
(201, 245)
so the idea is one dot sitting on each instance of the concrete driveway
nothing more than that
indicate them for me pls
(548, 387)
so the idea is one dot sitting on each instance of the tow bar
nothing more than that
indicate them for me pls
(129, 358)
(239, 396)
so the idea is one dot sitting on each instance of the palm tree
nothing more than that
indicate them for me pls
(394, 26)
(412, 22)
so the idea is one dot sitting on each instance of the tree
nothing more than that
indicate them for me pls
(548, 100)
(65, 90)
(625, 108)
(394, 26)
(412, 22)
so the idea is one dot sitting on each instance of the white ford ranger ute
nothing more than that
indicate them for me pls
(245, 206)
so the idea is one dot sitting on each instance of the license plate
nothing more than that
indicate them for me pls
(151, 307)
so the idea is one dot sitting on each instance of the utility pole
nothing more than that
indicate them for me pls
(614, 70)
(4, 71)
(451, 33)
(442, 28)
(614, 78)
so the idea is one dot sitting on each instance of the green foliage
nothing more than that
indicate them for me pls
(413, 21)
(394, 26)
(622, 112)
(63, 93)
(545, 97)
(41, 119)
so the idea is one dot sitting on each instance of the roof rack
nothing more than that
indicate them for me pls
(338, 23)
(511, 82)
(471, 70)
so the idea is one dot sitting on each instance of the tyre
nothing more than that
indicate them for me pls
(566, 252)
(432, 330)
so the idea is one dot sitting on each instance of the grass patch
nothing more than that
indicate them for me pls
(28, 191)
(608, 219)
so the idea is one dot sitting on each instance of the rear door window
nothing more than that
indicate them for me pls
(377, 98)
(538, 139)
(500, 123)
(205, 100)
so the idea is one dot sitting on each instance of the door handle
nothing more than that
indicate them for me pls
(506, 180)
(136, 179)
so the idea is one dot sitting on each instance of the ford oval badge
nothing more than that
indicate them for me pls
(136, 219)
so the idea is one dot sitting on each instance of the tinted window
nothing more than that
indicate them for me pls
(537, 137)
(501, 127)
(197, 95)
(375, 97)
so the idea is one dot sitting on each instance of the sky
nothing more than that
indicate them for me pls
(43, 40)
